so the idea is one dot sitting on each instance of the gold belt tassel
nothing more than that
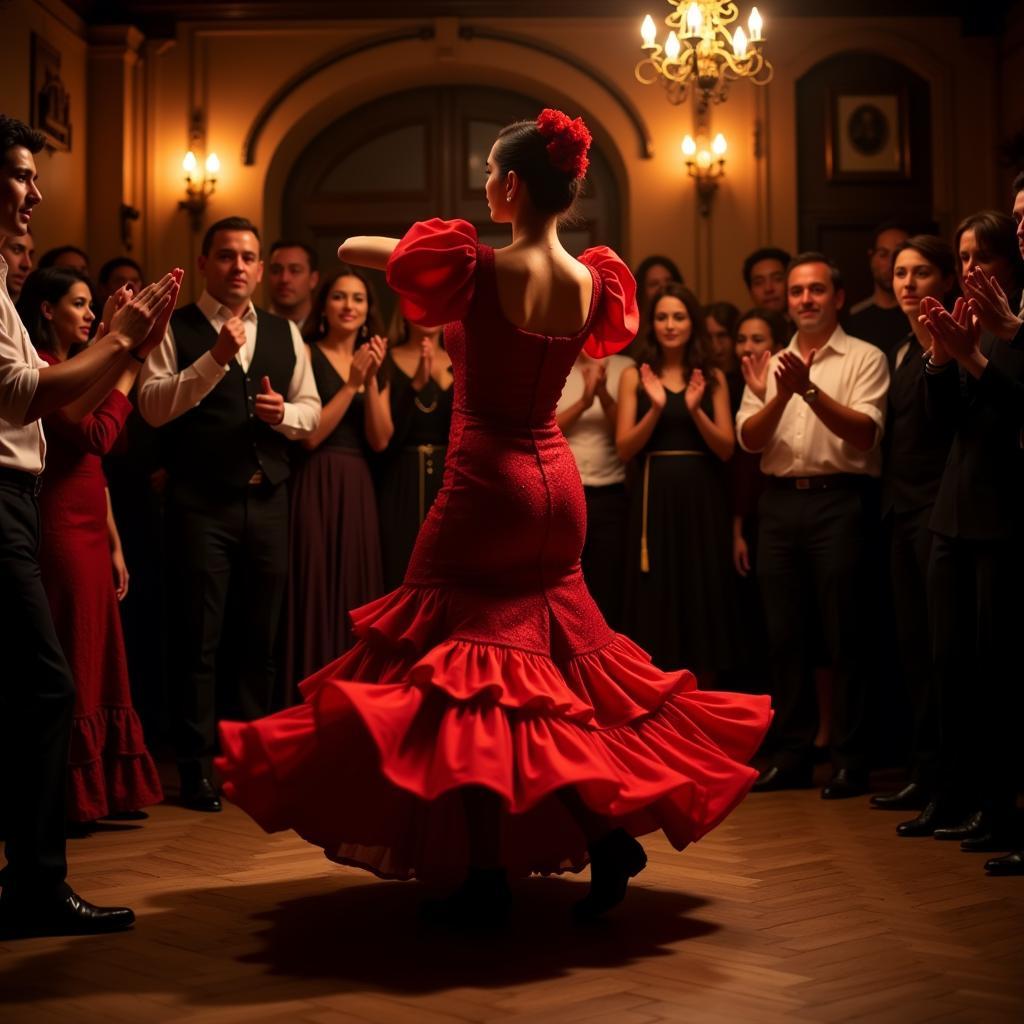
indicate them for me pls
(645, 558)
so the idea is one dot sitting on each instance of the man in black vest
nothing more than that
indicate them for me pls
(232, 388)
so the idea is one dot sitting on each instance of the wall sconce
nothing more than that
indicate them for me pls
(197, 192)
(705, 166)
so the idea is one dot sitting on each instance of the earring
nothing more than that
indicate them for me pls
(323, 323)
(364, 332)
(508, 197)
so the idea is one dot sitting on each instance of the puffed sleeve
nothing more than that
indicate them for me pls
(433, 271)
(617, 318)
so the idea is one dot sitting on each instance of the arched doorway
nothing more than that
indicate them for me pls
(421, 154)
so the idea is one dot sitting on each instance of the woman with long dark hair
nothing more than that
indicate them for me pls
(111, 773)
(674, 420)
(334, 547)
(488, 716)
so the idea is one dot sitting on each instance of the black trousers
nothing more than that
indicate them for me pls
(37, 700)
(604, 550)
(228, 545)
(979, 617)
(910, 548)
(811, 553)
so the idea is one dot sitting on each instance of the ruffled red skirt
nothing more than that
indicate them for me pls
(370, 765)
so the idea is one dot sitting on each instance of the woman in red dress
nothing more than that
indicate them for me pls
(83, 569)
(487, 715)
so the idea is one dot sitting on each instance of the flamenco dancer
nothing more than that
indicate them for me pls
(487, 716)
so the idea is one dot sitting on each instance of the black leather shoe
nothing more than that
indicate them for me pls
(65, 915)
(936, 814)
(776, 777)
(614, 860)
(201, 797)
(912, 797)
(1011, 864)
(844, 784)
(1003, 832)
(974, 824)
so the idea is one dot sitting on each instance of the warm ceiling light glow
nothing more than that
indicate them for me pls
(672, 46)
(739, 43)
(756, 24)
(189, 164)
(212, 164)
(689, 146)
(648, 32)
(719, 145)
(694, 21)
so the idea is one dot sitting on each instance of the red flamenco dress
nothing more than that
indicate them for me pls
(491, 665)
(111, 770)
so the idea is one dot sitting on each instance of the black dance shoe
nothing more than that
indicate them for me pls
(912, 797)
(1001, 832)
(614, 860)
(201, 796)
(937, 813)
(67, 914)
(777, 777)
(1011, 864)
(482, 901)
(845, 783)
(977, 823)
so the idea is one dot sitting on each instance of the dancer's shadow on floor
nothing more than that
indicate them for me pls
(352, 936)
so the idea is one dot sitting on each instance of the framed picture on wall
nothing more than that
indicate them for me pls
(51, 104)
(867, 137)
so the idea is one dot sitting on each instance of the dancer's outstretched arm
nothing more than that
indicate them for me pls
(367, 250)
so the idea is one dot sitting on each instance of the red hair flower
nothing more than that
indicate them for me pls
(568, 141)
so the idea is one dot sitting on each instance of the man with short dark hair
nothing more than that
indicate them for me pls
(878, 318)
(764, 272)
(37, 693)
(66, 256)
(292, 278)
(817, 428)
(121, 270)
(231, 387)
(19, 251)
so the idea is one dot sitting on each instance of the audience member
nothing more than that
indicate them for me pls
(879, 318)
(292, 279)
(231, 385)
(673, 412)
(764, 273)
(115, 273)
(587, 412)
(19, 252)
(82, 563)
(975, 380)
(419, 375)
(914, 453)
(69, 256)
(818, 451)
(988, 240)
(36, 689)
(721, 318)
(652, 274)
(334, 553)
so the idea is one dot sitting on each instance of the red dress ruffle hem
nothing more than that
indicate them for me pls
(491, 665)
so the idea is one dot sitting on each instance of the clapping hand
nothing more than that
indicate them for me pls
(159, 328)
(955, 334)
(378, 349)
(425, 369)
(754, 367)
(653, 386)
(230, 341)
(593, 380)
(695, 388)
(115, 300)
(135, 319)
(269, 404)
(366, 362)
(988, 304)
(793, 375)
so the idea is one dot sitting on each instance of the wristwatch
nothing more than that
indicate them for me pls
(810, 396)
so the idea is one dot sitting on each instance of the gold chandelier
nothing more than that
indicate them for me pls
(702, 52)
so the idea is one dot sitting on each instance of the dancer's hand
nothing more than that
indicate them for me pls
(425, 369)
(270, 404)
(754, 367)
(988, 304)
(653, 386)
(120, 573)
(230, 341)
(695, 388)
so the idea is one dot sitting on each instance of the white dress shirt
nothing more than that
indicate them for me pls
(591, 438)
(22, 445)
(848, 370)
(166, 393)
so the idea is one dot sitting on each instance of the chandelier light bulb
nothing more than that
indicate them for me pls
(212, 164)
(719, 145)
(756, 25)
(689, 146)
(739, 43)
(672, 46)
(648, 32)
(694, 21)
(189, 164)
(703, 159)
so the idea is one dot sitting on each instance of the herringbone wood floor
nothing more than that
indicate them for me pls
(794, 910)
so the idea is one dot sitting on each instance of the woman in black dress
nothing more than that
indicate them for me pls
(674, 420)
(335, 540)
(420, 383)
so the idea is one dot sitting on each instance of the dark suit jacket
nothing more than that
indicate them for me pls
(981, 495)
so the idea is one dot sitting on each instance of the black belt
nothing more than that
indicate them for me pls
(30, 483)
(822, 482)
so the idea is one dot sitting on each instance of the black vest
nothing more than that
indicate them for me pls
(221, 441)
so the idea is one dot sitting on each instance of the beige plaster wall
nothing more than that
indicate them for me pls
(62, 176)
